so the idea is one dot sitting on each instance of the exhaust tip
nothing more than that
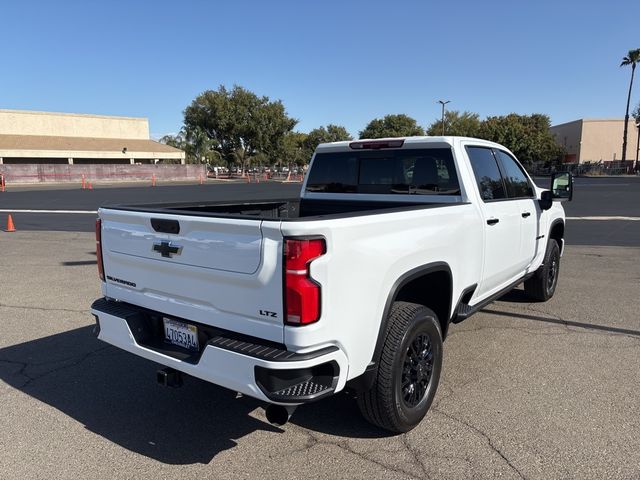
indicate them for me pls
(168, 377)
(279, 415)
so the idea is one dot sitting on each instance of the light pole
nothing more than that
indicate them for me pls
(443, 103)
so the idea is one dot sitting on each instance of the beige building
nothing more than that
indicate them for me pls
(596, 140)
(54, 138)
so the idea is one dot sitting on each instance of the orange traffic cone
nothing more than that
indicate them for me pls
(10, 226)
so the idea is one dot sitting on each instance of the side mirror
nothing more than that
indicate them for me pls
(562, 186)
(546, 200)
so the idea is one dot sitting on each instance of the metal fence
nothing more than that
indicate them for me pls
(590, 168)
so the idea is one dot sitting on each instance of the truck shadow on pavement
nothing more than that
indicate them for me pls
(114, 394)
(516, 295)
(566, 323)
(78, 263)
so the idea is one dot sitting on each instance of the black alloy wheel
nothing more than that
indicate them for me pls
(552, 273)
(416, 371)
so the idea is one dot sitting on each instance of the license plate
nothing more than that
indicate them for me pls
(181, 334)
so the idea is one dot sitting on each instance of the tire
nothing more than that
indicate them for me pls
(542, 285)
(408, 371)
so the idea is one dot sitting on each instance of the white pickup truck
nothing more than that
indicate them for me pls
(352, 285)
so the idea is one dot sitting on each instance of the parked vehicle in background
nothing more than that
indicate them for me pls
(352, 285)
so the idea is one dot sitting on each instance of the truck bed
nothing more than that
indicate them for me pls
(220, 264)
(284, 210)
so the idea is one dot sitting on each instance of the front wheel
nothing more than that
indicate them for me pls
(408, 371)
(542, 285)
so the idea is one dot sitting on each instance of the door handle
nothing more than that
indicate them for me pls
(526, 214)
(492, 221)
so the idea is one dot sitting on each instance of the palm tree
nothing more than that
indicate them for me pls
(632, 58)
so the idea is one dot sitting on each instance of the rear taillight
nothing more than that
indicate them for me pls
(302, 294)
(99, 249)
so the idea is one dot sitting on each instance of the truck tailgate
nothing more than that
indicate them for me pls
(218, 271)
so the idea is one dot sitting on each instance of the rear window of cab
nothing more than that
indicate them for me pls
(428, 171)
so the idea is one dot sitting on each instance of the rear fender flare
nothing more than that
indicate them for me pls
(393, 294)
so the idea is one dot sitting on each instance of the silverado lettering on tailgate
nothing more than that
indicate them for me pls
(121, 281)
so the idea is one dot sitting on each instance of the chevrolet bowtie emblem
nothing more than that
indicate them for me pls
(166, 249)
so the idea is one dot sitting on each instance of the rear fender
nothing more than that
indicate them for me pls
(399, 292)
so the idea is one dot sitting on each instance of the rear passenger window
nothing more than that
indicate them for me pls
(517, 182)
(330, 176)
(487, 173)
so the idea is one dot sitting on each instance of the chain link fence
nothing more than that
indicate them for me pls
(590, 168)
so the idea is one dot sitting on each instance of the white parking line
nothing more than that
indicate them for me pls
(7, 210)
(601, 184)
(632, 219)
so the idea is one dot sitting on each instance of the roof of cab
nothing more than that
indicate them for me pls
(414, 141)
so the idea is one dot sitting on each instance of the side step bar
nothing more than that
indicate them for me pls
(464, 311)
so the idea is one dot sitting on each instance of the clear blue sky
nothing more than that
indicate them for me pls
(329, 62)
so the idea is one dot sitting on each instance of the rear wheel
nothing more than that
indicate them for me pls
(408, 372)
(542, 285)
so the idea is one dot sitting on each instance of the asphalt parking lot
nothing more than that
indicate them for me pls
(528, 390)
(594, 197)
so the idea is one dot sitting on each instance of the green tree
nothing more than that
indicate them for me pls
(527, 136)
(199, 145)
(179, 141)
(239, 124)
(392, 126)
(175, 141)
(330, 133)
(294, 149)
(198, 148)
(632, 58)
(465, 124)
